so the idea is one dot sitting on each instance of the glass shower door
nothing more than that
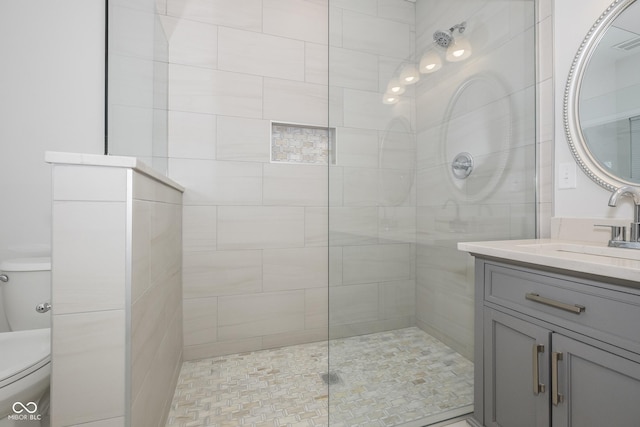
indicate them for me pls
(430, 151)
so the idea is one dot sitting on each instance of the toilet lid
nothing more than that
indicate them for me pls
(22, 353)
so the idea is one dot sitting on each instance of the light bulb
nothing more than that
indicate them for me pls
(390, 99)
(430, 62)
(459, 50)
(395, 87)
(409, 74)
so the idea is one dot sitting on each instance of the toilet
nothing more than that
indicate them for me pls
(25, 360)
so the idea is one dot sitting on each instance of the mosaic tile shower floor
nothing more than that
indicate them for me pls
(385, 379)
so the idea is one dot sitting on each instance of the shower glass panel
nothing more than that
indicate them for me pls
(434, 145)
(137, 93)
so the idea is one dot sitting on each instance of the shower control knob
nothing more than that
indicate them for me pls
(4, 278)
(43, 308)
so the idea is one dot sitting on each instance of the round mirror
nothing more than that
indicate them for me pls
(602, 98)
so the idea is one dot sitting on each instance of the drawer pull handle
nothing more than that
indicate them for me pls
(537, 387)
(577, 309)
(556, 397)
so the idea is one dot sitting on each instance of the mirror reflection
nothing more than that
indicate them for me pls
(609, 101)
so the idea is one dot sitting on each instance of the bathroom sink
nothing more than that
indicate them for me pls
(583, 249)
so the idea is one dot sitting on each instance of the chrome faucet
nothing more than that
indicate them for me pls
(634, 228)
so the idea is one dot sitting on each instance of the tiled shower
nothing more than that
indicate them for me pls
(283, 246)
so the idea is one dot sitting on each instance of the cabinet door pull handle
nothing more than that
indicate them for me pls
(537, 387)
(556, 397)
(577, 309)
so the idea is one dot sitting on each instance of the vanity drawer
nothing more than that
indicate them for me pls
(584, 307)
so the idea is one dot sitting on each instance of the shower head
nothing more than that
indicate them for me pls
(445, 38)
(442, 38)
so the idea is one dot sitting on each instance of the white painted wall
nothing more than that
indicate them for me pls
(51, 98)
(572, 21)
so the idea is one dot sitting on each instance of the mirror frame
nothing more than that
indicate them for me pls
(573, 131)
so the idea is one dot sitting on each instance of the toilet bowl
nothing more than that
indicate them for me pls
(25, 367)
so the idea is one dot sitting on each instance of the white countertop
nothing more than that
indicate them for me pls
(56, 157)
(584, 257)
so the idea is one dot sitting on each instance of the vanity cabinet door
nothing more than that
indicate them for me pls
(598, 388)
(516, 372)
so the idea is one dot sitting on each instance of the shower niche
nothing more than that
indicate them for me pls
(303, 144)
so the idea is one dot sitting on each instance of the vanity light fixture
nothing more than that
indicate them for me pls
(459, 50)
(409, 74)
(430, 62)
(459, 47)
(390, 99)
(395, 87)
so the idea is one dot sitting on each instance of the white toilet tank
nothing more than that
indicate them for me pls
(28, 283)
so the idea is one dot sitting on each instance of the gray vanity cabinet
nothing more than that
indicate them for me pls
(600, 388)
(555, 350)
(509, 363)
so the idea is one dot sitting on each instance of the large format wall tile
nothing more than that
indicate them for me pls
(201, 90)
(260, 54)
(397, 299)
(316, 220)
(358, 147)
(353, 304)
(353, 226)
(363, 6)
(297, 19)
(316, 313)
(377, 263)
(299, 268)
(140, 249)
(192, 43)
(354, 69)
(295, 185)
(89, 183)
(199, 228)
(200, 323)
(246, 14)
(243, 139)
(375, 35)
(211, 182)
(151, 405)
(316, 63)
(246, 316)
(192, 135)
(360, 187)
(117, 289)
(89, 243)
(262, 229)
(87, 381)
(222, 273)
(257, 227)
(283, 100)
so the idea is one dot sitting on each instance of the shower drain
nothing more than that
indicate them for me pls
(331, 378)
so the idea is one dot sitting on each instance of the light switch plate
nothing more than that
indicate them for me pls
(566, 175)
